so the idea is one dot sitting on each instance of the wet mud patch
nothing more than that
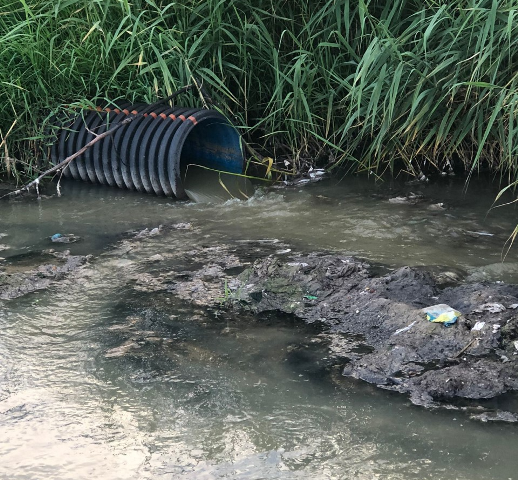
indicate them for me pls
(176, 342)
(177, 288)
(372, 322)
(34, 271)
(476, 358)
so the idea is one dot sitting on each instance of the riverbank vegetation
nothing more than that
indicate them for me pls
(367, 85)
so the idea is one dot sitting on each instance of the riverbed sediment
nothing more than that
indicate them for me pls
(373, 320)
(376, 322)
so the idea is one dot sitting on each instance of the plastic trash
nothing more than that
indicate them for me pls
(441, 313)
(310, 297)
(64, 238)
(490, 307)
(405, 329)
(478, 326)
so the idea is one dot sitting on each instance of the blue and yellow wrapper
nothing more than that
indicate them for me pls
(442, 314)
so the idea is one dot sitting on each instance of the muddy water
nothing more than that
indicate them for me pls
(97, 381)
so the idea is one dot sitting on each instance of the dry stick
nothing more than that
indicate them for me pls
(4, 139)
(98, 138)
(3, 143)
(204, 96)
(67, 160)
(466, 347)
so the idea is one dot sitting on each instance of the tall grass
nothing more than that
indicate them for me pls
(364, 84)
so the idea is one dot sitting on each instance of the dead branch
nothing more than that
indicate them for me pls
(63, 164)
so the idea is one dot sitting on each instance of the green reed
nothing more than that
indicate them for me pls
(369, 85)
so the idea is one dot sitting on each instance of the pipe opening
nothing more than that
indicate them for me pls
(152, 153)
(212, 144)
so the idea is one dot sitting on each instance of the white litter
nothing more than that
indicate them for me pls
(404, 329)
(490, 307)
(478, 326)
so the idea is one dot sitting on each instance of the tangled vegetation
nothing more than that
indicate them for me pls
(364, 84)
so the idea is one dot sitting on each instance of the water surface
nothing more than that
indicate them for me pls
(208, 394)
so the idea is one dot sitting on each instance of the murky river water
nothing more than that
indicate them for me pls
(207, 395)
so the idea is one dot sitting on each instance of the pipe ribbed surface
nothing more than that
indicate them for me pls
(152, 153)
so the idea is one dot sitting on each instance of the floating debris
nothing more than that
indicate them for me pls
(316, 172)
(437, 207)
(411, 199)
(481, 234)
(498, 416)
(182, 226)
(149, 233)
(64, 238)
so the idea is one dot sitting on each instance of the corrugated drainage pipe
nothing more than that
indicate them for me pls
(152, 153)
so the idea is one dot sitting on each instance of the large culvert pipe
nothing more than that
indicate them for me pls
(151, 154)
